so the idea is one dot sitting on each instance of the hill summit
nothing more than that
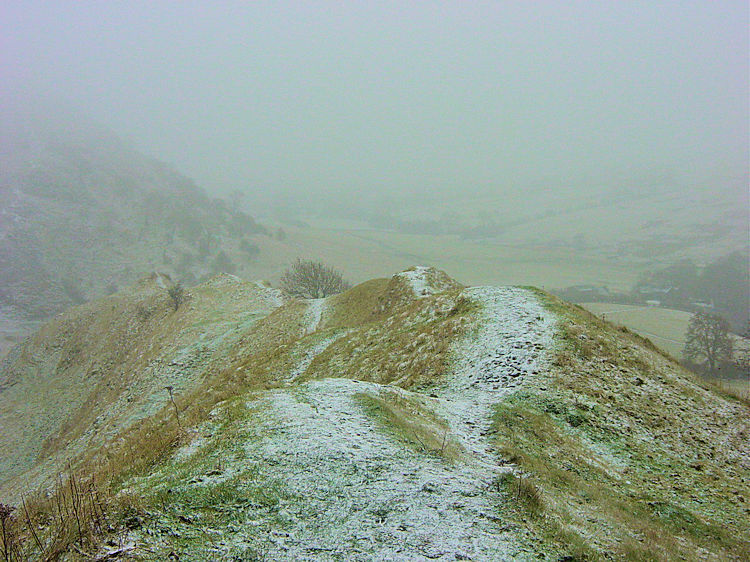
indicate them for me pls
(408, 418)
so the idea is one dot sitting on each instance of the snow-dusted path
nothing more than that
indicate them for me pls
(360, 494)
(310, 354)
(314, 314)
(513, 332)
(417, 280)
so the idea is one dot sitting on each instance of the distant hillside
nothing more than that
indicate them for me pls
(650, 223)
(408, 418)
(82, 213)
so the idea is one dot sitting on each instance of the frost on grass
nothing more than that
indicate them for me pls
(314, 314)
(342, 485)
(426, 281)
(274, 296)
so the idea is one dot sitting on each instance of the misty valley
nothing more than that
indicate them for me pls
(374, 282)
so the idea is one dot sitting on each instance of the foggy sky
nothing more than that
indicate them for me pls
(481, 96)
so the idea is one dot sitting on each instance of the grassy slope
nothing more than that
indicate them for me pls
(258, 360)
(623, 452)
(179, 497)
(666, 328)
(626, 454)
(401, 341)
(95, 370)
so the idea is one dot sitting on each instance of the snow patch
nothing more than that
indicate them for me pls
(508, 343)
(417, 279)
(274, 296)
(360, 493)
(314, 314)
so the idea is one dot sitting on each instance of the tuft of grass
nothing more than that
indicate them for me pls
(523, 491)
(412, 422)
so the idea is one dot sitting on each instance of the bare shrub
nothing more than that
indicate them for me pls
(177, 294)
(312, 280)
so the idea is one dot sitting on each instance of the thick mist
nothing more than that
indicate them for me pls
(599, 149)
(331, 100)
(369, 280)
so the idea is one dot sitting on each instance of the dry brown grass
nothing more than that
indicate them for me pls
(148, 442)
(356, 306)
(259, 360)
(409, 348)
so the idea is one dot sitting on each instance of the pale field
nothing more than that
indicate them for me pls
(657, 224)
(365, 254)
(736, 386)
(663, 326)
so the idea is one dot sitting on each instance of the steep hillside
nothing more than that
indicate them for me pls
(82, 213)
(408, 418)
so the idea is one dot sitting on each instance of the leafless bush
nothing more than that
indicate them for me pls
(312, 280)
(177, 294)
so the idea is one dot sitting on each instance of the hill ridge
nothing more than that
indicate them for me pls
(439, 423)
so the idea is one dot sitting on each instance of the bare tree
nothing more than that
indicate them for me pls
(312, 280)
(708, 340)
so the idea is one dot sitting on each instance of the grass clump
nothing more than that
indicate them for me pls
(523, 491)
(412, 422)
